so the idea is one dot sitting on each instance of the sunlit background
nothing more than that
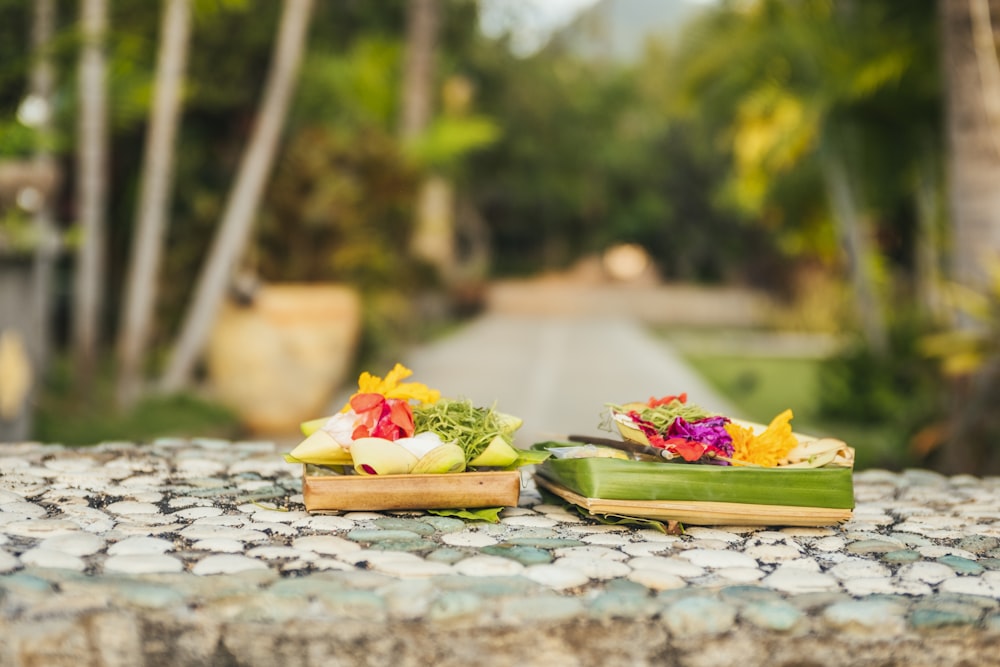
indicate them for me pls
(177, 177)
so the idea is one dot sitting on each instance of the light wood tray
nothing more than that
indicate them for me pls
(463, 490)
(703, 513)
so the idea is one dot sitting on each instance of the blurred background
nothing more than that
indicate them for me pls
(800, 196)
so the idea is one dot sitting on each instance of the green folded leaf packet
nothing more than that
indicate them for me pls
(617, 479)
(678, 462)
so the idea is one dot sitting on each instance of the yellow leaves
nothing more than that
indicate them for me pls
(881, 72)
(393, 387)
(774, 130)
(768, 448)
(964, 349)
(960, 351)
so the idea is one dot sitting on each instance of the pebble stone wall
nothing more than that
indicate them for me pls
(200, 553)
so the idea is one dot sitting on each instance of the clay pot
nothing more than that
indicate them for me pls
(279, 360)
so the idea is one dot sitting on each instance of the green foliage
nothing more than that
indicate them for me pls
(182, 415)
(899, 393)
(705, 151)
(449, 139)
(348, 90)
(15, 55)
(18, 235)
(338, 209)
(16, 140)
(972, 342)
(967, 356)
(587, 158)
(760, 386)
(774, 83)
(67, 418)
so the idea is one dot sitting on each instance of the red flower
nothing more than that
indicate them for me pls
(381, 417)
(689, 450)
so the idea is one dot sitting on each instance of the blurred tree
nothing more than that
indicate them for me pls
(235, 227)
(593, 153)
(92, 188)
(42, 89)
(154, 202)
(439, 139)
(801, 89)
(972, 75)
(433, 235)
(973, 131)
(422, 21)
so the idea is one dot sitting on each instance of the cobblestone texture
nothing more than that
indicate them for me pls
(201, 553)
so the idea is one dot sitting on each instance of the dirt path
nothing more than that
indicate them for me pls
(557, 372)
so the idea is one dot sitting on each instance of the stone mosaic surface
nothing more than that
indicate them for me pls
(186, 537)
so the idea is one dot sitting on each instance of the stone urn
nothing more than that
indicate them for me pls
(279, 359)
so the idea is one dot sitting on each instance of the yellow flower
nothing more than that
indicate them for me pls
(768, 448)
(393, 387)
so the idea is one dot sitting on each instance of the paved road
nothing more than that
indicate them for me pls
(557, 372)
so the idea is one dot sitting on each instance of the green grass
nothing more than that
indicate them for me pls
(761, 386)
(71, 422)
(69, 416)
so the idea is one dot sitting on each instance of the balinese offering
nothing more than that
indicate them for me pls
(690, 433)
(397, 445)
(680, 462)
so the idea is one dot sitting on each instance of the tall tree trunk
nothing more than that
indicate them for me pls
(92, 185)
(235, 227)
(42, 88)
(855, 238)
(929, 247)
(972, 105)
(972, 113)
(154, 201)
(422, 19)
(434, 223)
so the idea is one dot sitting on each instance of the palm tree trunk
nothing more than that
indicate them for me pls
(92, 185)
(972, 106)
(422, 21)
(234, 230)
(855, 239)
(42, 86)
(434, 224)
(154, 200)
(972, 123)
(928, 251)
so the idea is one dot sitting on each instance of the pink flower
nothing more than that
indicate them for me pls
(381, 417)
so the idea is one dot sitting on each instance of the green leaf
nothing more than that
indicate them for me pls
(449, 139)
(617, 479)
(668, 528)
(489, 514)
(526, 457)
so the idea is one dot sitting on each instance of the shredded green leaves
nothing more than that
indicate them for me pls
(662, 416)
(471, 428)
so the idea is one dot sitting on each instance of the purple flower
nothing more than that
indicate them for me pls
(710, 431)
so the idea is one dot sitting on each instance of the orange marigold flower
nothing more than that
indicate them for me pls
(393, 387)
(769, 447)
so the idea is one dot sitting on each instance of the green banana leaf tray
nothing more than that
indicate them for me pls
(701, 494)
